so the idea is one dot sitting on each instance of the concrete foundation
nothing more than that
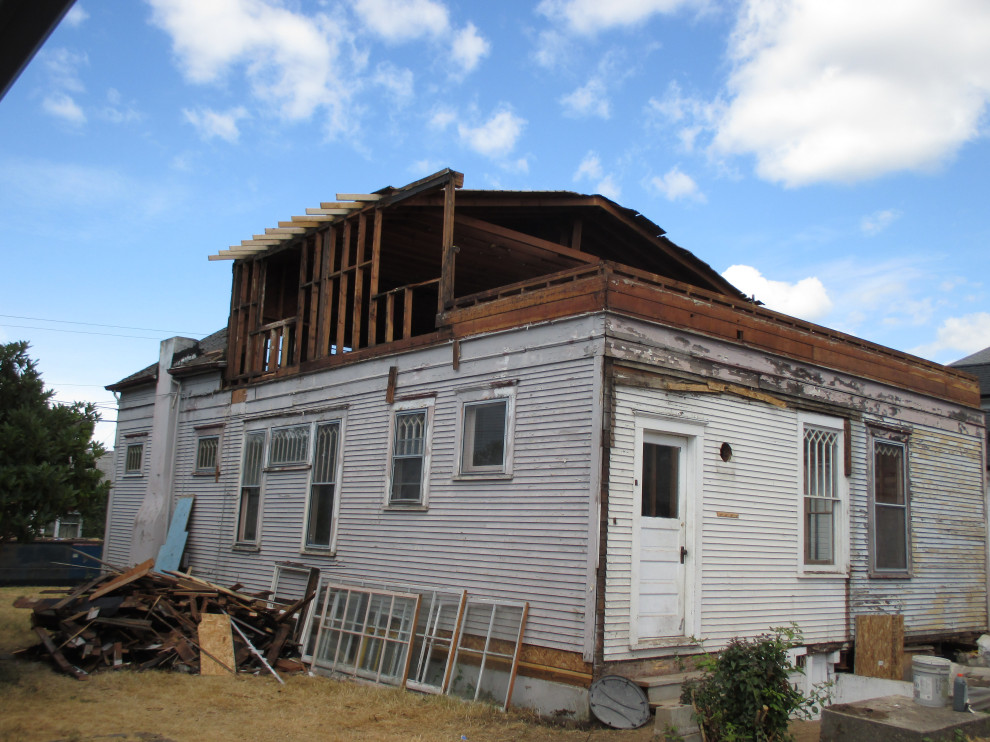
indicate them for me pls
(899, 719)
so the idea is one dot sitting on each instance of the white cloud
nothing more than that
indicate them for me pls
(553, 49)
(846, 91)
(591, 169)
(495, 137)
(64, 107)
(403, 20)
(806, 298)
(212, 124)
(117, 111)
(590, 99)
(591, 16)
(294, 63)
(63, 69)
(396, 80)
(964, 335)
(687, 117)
(442, 117)
(878, 221)
(675, 184)
(76, 16)
(468, 49)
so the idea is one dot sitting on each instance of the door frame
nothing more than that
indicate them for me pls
(692, 432)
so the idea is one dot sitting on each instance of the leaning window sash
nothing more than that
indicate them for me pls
(821, 496)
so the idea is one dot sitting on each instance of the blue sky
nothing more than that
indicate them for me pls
(830, 158)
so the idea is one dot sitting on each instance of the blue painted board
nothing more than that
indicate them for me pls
(170, 555)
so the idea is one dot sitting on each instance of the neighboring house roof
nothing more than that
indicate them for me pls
(977, 364)
(207, 354)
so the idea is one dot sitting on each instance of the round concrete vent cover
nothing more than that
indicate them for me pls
(619, 702)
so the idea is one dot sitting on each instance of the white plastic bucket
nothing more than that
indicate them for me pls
(931, 680)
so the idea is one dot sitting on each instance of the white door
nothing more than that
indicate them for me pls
(660, 544)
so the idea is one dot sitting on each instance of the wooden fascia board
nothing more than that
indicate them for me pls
(524, 239)
(432, 182)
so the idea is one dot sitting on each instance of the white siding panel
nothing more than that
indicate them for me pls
(748, 570)
(525, 538)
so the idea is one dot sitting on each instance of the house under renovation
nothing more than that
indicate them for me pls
(518, 441)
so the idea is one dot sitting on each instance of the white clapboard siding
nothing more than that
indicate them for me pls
(748, 572)
(134, 415)
(947, 591)
(524, 538)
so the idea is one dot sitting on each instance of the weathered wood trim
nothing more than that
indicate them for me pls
(447, 263)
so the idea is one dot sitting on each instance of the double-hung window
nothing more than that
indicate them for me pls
(250, 506)
(890, 508)
(408, 457)
(323, 487)
(485, 445)
(823, 495)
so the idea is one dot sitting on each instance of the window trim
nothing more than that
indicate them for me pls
(295, 464)
(425, 404)
(331, 549)
(840, 521)
(475, 397)
(893, 438)
(139, 470)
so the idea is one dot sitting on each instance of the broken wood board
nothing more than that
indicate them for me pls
(880, 646)
(216, 639)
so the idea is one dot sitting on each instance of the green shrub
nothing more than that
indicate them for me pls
(746, 694)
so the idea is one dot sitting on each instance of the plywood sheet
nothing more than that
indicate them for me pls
(215, 639)
(880, 646)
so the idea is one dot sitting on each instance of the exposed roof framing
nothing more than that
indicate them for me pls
(334, 211)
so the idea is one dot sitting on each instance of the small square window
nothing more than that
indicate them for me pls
(484, 437)
(206, 453)
(133, 459)
(289, 446)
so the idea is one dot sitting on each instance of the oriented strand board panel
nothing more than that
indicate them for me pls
(880, 646)
(215, 638)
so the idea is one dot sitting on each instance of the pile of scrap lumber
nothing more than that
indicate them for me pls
(141, 619)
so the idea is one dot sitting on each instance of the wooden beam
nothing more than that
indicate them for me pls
(228, 256)
(445, 296)
(285, 230)
(263, 242)
(347, 205)
(327, 212)
(359, 197)
(306, 223)
(357, 313)
(511, 236)
(275, 237)
(310, 219)
(315, 299)
(326, 299)
(345, 256)
(376, 251)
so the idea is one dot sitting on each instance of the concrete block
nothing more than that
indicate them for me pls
(679, 720)
(899, 719)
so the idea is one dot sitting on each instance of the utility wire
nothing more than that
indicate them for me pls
(95, 324)
(84, 332)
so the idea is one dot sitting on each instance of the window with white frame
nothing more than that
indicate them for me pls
(824, 487)
(289, 446)
(484, 439)
(323, 487)
(409, 457)
(133, 458)
(822, 500)
(890, 522)
(250, 505)
(207, 447)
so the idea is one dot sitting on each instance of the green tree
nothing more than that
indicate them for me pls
(47, 452)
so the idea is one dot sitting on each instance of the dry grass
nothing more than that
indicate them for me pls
(41, 705)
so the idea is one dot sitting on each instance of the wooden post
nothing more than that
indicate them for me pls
(358, 312)
(880, 646)
(446, 297)
(376, 250)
